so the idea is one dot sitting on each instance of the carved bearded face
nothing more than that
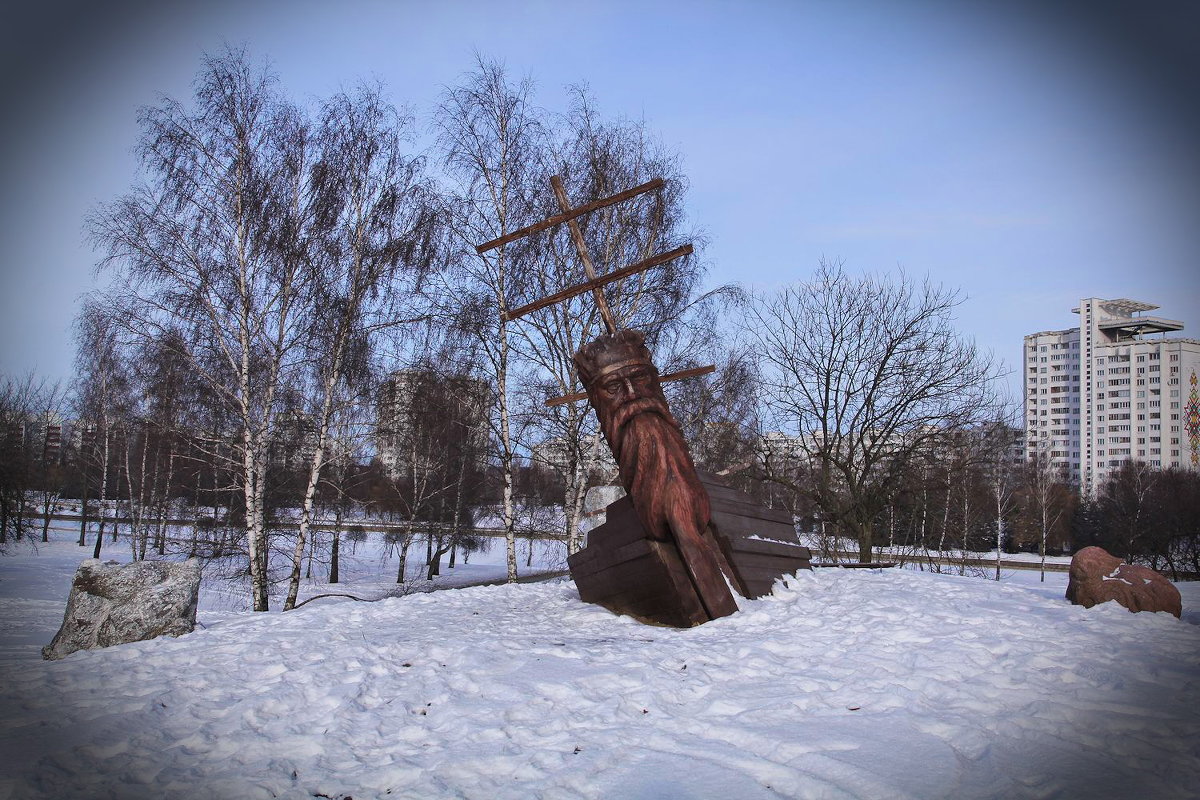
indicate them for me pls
(622, 383)
(625, 393)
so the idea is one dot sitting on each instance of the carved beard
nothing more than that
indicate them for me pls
(671, 504)
(655, 467)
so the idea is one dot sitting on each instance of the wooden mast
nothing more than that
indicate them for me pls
(594, 282)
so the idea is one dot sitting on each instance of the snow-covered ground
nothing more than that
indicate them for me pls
(842, 684)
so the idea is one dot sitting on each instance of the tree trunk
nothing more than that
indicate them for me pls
(575, 490)
(999, 537)
(48, 503)
(510, 515)
(863, 532)
(83, 506)
(255, 533)
(404, 543)
(160, 534)
(310, 493)
(945, 523)
(103, 495)
(1042, 549)
(333, 555)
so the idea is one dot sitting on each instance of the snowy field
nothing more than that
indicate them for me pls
(842, 684)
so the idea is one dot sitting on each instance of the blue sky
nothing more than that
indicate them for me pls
(1027, 157)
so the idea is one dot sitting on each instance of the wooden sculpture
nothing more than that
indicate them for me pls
(659, 556)
(653, 461)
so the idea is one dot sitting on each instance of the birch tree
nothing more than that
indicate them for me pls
(1001, 477)
(200, 248)
(489, 137)
(1047, 497)
(47, 477)
(101, 394)
(18, 402)
(373, 232)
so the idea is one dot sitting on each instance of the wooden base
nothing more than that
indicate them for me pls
(628, 573)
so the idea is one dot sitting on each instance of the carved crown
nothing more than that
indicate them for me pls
(611, 352)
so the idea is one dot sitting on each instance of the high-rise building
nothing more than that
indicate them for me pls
(1112, 390)
(420, 411)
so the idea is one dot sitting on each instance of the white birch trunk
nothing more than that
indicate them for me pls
(104, 451)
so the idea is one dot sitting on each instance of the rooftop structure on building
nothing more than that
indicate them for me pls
(1114, 389)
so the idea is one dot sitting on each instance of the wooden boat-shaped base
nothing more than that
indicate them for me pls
(628, 573)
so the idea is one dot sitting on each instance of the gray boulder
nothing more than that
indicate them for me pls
(111, 603)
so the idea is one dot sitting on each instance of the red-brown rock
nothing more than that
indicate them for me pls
(1097, 577)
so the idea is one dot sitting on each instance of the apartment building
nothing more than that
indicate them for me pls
(1116, 388)
(420, 410)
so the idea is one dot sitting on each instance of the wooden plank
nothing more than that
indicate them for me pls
(740, 526)
(674, 376)
(592, 560)
(579, 211)
(758, 562)
(751, 510)
(738, 502)
(771, 549)
(645, 572)
(723, 494)
(620, 527)
(744, 526)
(656, 588)
(769, 575)
(603, 280)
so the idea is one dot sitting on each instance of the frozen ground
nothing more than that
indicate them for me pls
(842, 684)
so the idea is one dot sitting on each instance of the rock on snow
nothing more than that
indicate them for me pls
(1097, 576)
(842, 684)
(113, 603)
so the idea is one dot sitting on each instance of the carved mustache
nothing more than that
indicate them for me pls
(640, 405)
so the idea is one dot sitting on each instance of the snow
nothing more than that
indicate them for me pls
(841, 684)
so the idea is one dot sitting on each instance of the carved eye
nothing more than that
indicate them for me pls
(612, 387)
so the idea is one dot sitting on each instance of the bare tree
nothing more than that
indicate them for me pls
(101, 397)
(374, 228)
(43, 453)
(19, 402)
(1049, 498)
(1000, 470)
(205, 248)
(863, 374)
(489, 136)
(719, 416)
(1129, 504)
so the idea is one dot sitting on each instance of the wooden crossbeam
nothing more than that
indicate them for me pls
(603, 280)
(674, 376)
(571, 214)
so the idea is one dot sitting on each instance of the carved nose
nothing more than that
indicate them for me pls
(628, 387)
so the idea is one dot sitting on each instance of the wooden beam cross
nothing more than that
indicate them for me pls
(594, 282)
